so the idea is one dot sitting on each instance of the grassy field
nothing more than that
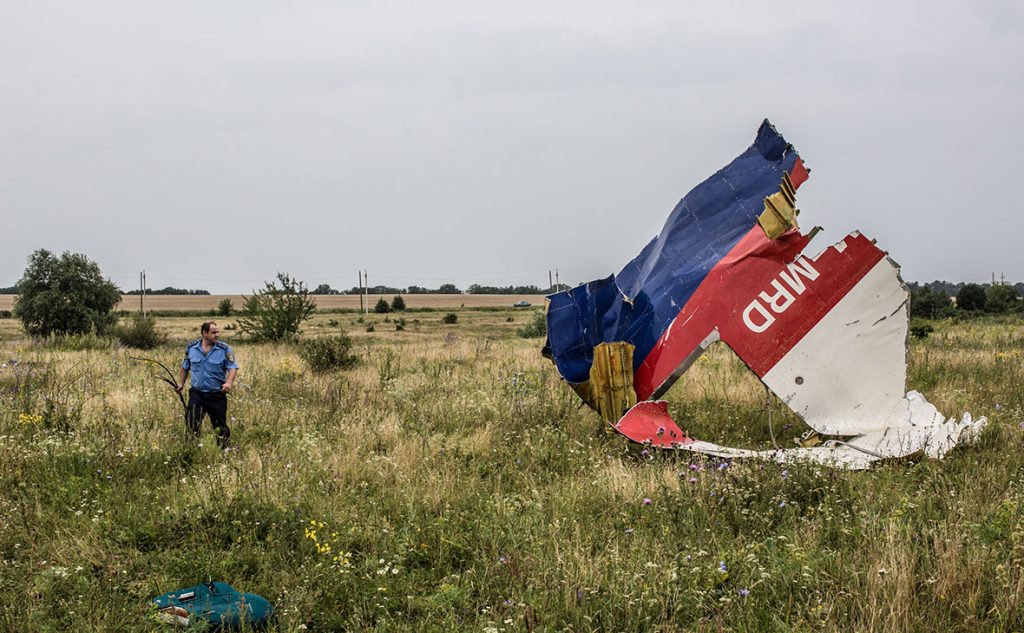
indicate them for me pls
(452, 482)
(324, 302)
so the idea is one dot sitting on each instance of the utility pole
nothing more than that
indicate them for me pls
(558, 285)
(551, 284)
(366, 281)
(142, 293)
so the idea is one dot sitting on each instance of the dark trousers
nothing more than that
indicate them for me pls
(214, 403)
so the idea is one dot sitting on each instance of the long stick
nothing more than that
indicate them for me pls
(172, 381)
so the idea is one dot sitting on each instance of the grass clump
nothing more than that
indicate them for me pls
(328, 353)
(450, 318)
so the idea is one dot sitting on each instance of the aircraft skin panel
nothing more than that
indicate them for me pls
(762, 298)
(847, 375)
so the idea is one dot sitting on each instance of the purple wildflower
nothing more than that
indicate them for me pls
(647, 501)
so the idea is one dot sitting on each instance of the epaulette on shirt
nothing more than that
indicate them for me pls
(193, 344)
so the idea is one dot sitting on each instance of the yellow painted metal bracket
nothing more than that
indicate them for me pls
(780, 210)
(610, 388)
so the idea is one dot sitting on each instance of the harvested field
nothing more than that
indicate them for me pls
(326, 302)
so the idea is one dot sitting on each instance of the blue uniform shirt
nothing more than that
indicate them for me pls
(209, 369)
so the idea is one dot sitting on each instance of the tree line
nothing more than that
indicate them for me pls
(935, 301)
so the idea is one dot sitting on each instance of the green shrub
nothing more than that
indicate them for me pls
(275, 313)
(327, 353)
(920, 329)
(139, 332)
(399, 324)
(382, 306)
(398, 304)
(225, 307)
(450, 318)
(535, 327)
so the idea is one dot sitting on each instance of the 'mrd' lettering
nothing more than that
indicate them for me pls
(760, 314)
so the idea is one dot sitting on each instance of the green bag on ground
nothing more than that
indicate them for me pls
(216, 603)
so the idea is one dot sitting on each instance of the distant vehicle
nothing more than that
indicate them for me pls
(521, 304)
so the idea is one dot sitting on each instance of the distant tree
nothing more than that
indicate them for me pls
(382, 306)
(276, 312)
(324, 289)
(65, 295)
(225, 307)
(926, 303)
(971, 298)
(398, 303)
(448, 289)
(9, 290)
(1000, 298)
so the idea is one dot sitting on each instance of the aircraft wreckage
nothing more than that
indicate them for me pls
(825, 333)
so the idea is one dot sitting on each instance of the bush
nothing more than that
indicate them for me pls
(400, 324)
(382, 306)
(65, 295)
(332, 352)
(398, 304)
(225, 307)
(140, 332)
(450, 318)
(275, 313)
(536, 327)
(920, 329)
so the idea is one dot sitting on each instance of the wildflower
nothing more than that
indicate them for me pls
(693, 480)
(785, 474)
(721, 567)
(645, 453)
(647, 501)
(999, 407)
(629, 530)
(723, 465)
(661, 429)
(502, 560)
(744, 592)
(782, 504)
(694, 467)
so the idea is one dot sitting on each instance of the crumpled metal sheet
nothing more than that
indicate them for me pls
(826, 333)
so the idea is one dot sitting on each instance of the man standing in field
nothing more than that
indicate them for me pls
(213, 368)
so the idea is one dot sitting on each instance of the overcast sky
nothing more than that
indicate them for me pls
(216, 143)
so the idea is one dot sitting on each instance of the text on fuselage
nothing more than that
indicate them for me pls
(760, 314)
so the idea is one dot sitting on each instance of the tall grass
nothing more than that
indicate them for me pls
(451, 482)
